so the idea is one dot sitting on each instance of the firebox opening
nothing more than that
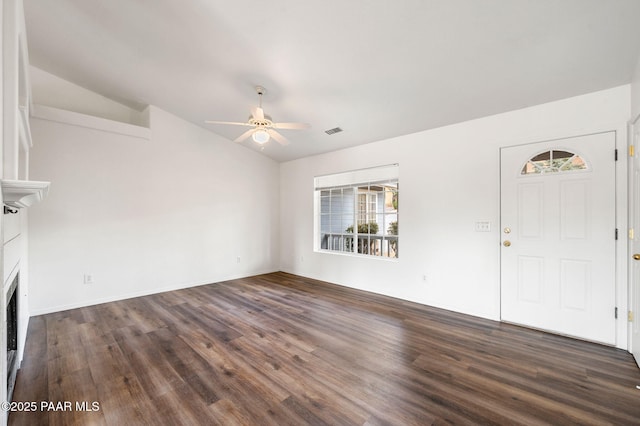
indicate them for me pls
(12, 336)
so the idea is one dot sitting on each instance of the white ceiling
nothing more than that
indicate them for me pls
(376, 68)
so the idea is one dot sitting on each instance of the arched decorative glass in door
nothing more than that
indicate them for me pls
(554, 161)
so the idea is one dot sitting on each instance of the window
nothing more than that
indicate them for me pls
(553, 161)
(357, 212)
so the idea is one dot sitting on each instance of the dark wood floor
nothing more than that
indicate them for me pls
(279, 349)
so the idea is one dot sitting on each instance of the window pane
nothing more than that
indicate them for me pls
(325, 222)
(545, 156)
(325, 204)
(575, 163)
(362, 208)
(347, 224)
(562, 154)
(381, 224)
(348, 244)
(336, 224)
(390, 199)
(391, 224)
(393, 247)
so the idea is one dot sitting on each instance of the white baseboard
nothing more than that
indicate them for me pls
(131, 295)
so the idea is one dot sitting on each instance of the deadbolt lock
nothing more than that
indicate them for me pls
(507, 230)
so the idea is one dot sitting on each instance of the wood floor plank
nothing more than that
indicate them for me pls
(115, 395)
(279, 349)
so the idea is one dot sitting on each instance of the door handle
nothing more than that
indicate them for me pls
(507, 243)
(636, 256)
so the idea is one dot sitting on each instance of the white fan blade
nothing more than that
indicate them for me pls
(258, 113)
(278, 137)
(244, 136)
(291, 125)
(234, 123)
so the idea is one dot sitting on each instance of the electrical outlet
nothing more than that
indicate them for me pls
(424, 278)
(238, 259)
(88, 279)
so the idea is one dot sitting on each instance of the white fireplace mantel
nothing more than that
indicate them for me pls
(23, 193)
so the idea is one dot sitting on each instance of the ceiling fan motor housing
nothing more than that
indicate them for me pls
(265, 122)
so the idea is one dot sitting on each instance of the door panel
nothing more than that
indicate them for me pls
(574, 210)
(530, 209)
(575, 286)
(530, 278)
(558, 235)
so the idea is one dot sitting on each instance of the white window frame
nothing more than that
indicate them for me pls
(381, 245)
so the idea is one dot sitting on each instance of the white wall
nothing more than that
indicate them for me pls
(146, 216)
(449, 179)
(635, 92)
(53, 91)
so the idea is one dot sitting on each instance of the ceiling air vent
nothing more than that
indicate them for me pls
(333, 131)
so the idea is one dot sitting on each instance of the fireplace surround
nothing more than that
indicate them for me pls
(12, 335)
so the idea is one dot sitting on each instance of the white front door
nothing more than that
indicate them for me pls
(558, 236)
(634, 299)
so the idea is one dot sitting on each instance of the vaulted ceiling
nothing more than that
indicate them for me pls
(375, 68)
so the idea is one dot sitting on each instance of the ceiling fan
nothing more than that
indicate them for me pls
(262, 127)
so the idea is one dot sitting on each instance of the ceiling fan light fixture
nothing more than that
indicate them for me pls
(263, 129)
(260, 136)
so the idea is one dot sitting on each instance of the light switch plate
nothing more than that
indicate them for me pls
(483, 226)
